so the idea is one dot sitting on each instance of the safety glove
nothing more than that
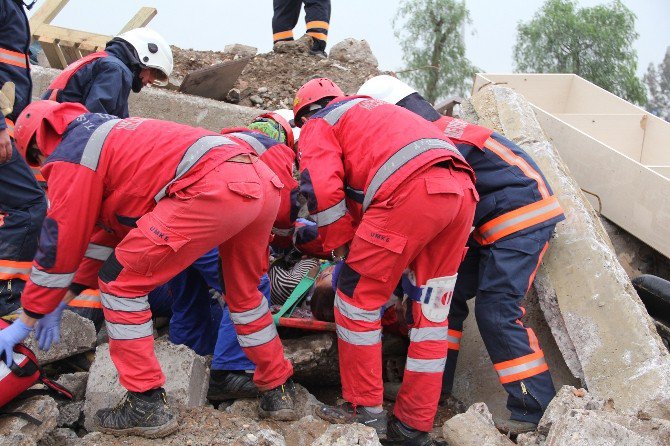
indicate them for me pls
(48, 328)
(11, 336)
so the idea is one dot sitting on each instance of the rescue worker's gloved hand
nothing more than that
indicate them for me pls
(48, 328)
(11, 336)
(336, 273)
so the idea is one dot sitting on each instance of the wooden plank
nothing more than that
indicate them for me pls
(70, 51)
(52, 52)
(47, 12)
(142, 18)
(58, 33)
(86, 48)
(214, 82)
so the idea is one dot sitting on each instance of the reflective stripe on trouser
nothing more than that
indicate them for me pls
(10, 269)
(87, 299)
(499, 286)
(372, 271)
(143, 260)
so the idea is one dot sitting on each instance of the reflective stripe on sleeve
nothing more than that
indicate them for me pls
(93, 149)
(14, 58)
(50, 280)
(258, 146)
(247, 317)
(359, 337)
(354, 313)
(334, 115)
(521, 368)
(330, 215)
(10, 269)
(127, 332)
(98, 252)
(428, 334)
(425, 365)
(399, 159)
(192, 155)
(260, 337)
(128, 304)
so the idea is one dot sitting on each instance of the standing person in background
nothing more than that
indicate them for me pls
(22, 201)
(317, 18)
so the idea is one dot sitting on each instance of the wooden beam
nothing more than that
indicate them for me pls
(70, 51)
(53, 52)
(142, 18)
(70, 35)
(46, 13)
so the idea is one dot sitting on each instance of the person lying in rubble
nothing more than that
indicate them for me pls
(514, 220)
(190, 190)
(374, 175)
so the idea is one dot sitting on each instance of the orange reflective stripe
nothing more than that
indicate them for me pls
(13, 58)
(320, 36)
(10, 127)
(38, 173)
(521, 368)
(517, 220)
(11, 269)
(88, 298)
(511, 158)
(539, 261)
(283, 35)
(317, 24)
(454, 339)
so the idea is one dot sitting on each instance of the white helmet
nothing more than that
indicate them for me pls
(153, 51)
(386, 88)
(288, 115)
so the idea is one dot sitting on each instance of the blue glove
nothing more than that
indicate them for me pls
(336, 274)
(48, 328)
(11, 336)
(305, 222)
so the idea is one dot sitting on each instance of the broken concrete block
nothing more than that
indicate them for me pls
(314, 358)
(353, 51)
(601, 326)
(474, 428)
(567, 399)
(75, 383)
(77, 335)
(305, 431)
(161, 104)
(348, 434)
(598, 428)
(69, 413)
(60, 437)
(241, 50)
(186, 372)
(15, 431)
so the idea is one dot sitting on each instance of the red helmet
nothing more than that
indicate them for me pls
(283, 123)
(40, 117)
(313, 91)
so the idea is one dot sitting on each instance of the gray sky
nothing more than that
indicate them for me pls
(212, 24)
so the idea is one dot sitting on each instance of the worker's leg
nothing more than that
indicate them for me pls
(284, 19)
(507, 273)
(317, 18)
(466, 289)
(181, 228)
(245, 258)
(22, 209)
(435, 266)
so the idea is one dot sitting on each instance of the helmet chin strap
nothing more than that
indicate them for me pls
(29, 6)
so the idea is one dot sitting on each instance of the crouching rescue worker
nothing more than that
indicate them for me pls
(102, 81)
(515, 218)
(391, 190)
(188, 190)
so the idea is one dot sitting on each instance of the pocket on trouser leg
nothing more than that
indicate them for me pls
(375, 251)
(145, 248)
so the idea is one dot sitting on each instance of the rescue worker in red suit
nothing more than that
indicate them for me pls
(515, 218)
(393, 191)
(102, 81)
(189, 190)
(22, 201)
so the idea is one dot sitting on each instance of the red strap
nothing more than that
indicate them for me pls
(57, 388)
(64, 77)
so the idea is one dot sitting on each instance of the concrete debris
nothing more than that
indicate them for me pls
(305, 431)
(601, 326)
(60, 437)
(15, 431)
(237, 49)
(314, 358)
(474, 428)
(186, 372)
(348, 435)
(70, 414)
(77, 336)
(353, 51)
(75, 383)
(304, 404)
(567, 399)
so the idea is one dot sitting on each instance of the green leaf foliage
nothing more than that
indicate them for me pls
(431, 35)
(595, 43)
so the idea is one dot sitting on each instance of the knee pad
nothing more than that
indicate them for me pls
(111, 269)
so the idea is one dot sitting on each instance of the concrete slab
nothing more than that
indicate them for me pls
(187, 379)
(602, 328)
(214, 82)
(474, 428)
(77, 336)
(19, 431)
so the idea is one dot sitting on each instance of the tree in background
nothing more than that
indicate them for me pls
(431, 35)
(595, 43)
(658, 85)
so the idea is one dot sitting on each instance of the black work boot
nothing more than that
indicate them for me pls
(401, 434)
(145, 414)
(347, 413)
(231, 385)
(279, 403)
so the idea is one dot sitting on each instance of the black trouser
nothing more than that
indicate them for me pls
(317, 16)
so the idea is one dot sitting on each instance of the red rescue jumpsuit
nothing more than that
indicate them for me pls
(170, 193)
(393, 185)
